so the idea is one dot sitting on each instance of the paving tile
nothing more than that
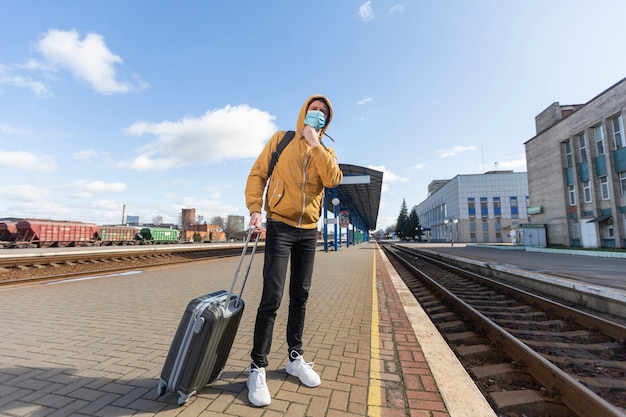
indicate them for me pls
(100, 349)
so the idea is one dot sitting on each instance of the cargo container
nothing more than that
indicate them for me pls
(54, 233)
(117, 235)
(7, 233)
(159, 235)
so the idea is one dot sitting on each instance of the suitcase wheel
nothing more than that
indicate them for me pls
(183, 398)
(161, 388)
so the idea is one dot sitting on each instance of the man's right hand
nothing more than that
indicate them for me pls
(255, 219)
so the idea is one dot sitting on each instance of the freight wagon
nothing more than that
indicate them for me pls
(7, 234)
(159, 235)
(53, 233)
(117, 235)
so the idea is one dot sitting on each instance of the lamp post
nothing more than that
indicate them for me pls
(335, 202)
(456, 222)
(448, 223)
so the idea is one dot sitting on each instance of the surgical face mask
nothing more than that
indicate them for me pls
(315, 119)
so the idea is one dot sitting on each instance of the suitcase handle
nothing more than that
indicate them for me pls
(245, 277)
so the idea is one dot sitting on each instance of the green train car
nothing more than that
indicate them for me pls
(159, 235)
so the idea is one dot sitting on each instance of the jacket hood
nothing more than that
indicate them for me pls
(305, 106)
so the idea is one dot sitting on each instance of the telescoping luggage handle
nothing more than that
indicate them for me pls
(245, 277)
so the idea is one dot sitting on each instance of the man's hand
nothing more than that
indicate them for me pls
(255, 219)
(311, 136)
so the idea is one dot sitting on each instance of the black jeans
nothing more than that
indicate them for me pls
(283, 242)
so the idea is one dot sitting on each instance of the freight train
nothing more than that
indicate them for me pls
(32, 233)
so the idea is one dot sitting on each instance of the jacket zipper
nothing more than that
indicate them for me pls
(274, 192)
(306, 160)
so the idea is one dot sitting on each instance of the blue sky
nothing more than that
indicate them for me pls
(161, 105)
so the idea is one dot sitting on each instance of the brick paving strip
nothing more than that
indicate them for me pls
(407, 385)
(432, 379)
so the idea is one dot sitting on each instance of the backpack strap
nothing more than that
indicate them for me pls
(289, 135)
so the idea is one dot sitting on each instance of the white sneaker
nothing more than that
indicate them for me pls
(303, 370)
(258, 394)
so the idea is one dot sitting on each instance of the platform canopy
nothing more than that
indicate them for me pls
(359, 193)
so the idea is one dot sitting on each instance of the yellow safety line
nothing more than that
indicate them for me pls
(373, 395)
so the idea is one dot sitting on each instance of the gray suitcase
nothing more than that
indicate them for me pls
(205, 337)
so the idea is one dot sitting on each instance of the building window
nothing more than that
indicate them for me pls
(471, 207)
(582, 147)
(497, 210)
(587, 191)
(622, 182)
(484, 209)
(597, 132)
(567, 151)
(610, 232)
(604, 187)
(618, 132)
(514, 208)
(575, 230)
(572, 194)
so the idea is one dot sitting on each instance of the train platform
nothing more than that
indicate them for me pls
(95, 346)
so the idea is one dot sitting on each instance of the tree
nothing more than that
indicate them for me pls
(415, 228)
(157, 220)
(402, 227)
(219, 221)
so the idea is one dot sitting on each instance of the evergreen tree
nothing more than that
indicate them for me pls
(402, 226)
(415, 228)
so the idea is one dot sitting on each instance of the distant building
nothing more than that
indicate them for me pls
(204, 233)
(476, 208)
(577, 171)
(234, 226)
(132, 220)
(188, 216)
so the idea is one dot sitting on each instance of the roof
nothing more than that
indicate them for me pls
(362, 199)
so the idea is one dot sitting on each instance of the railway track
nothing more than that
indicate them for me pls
(30, 268)
(529, 356)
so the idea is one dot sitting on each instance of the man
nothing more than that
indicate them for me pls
(293, 203)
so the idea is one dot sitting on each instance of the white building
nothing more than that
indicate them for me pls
(477, 208)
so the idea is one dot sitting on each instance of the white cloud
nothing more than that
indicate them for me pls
(232, 132)
(144, 163)
(27, 161)
(445, 153)
(397, 8)
(388, 175)
(36, 87)
(366, 13)
(85, 154)
(419, 166)
(514, 164)
(86, 189)
(89, 59)
(23, 193)
(364, 101)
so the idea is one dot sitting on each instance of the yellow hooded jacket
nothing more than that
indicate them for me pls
(296, 188)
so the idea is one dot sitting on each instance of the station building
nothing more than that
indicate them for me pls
(475, 208)
(576, 167)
